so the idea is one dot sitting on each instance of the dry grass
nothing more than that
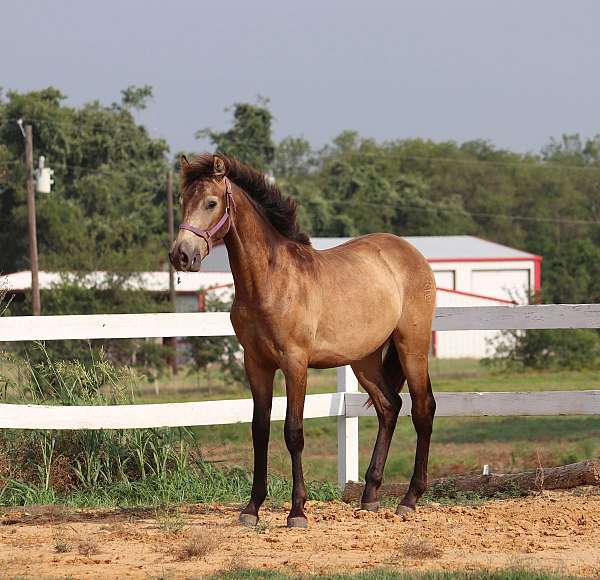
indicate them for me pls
(197, 545)
(419, 549)
(88, 547)
(62, 542)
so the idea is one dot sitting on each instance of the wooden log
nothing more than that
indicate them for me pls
(563, 477)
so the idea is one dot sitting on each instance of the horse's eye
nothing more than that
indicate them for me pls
(211, 204)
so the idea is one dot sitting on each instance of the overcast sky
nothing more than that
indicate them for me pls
(514, 72)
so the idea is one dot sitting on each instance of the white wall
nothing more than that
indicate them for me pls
(513, 284)
(445, 279)
(463, 343)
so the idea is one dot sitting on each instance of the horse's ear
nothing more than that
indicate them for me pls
(184, 162)
(219, 168)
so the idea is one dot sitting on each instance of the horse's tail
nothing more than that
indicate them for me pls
(393, 374)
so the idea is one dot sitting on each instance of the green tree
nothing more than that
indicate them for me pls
(249, 139)
(135, 97)
(107, 207)
(293, 158)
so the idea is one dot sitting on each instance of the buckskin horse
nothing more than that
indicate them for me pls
(367, 303)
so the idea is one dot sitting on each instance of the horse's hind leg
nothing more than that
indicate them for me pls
(384, 395)
(413, 353)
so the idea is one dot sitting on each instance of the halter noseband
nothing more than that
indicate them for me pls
(207, 235)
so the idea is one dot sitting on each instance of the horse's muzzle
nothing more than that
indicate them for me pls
(185, 258)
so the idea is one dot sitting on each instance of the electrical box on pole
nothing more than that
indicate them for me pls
(43, 177)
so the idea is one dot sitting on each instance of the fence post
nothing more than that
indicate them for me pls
(347, 431)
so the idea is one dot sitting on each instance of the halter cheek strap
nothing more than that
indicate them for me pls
(208, 235)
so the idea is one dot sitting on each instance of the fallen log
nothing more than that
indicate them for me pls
(563, 477)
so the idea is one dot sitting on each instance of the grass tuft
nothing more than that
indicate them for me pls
(197, 545)
(62, 543)
(419, 549)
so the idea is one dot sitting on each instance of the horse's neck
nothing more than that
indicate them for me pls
(251, 243)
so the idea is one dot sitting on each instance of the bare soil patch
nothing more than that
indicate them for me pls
(556, 531)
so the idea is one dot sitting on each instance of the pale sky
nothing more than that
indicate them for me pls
(514, 72)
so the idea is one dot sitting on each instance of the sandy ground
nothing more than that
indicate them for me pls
(558, 531)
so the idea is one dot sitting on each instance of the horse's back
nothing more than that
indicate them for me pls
(384, 255)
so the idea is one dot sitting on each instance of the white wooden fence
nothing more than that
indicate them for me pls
(347, 404)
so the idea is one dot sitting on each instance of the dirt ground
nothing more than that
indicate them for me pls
(557, 531)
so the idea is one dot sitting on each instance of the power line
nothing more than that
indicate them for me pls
(68, 166)
(523, 163)
(468, 213)
(528, 161)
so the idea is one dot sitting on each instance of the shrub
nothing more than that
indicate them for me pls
(572, 349)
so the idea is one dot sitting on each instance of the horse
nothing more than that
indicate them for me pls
(367, 303)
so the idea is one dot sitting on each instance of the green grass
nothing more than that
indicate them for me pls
(459, 375)
(459, 445)
(383, 574)
(194, 484)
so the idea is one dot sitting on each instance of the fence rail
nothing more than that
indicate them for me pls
(97, 326)
(347, 404)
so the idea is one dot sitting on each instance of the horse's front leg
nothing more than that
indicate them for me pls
(261, 383)
(295, 384)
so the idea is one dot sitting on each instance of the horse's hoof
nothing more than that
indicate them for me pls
(248, 520)
(370, 506)
(297, 522)
(405, 511)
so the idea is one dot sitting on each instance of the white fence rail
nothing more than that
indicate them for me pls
(20, 328)
(347, 403)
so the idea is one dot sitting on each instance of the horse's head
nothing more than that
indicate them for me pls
(206, 201)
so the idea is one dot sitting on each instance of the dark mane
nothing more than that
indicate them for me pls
(279, 210)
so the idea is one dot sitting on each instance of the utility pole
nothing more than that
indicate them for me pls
(172, 297)
(31, 222)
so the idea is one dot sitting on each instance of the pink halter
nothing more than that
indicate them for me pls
(207, 235)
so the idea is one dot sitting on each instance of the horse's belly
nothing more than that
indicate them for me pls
(358, 337)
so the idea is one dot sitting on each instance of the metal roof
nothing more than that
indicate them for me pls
(438, 248)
